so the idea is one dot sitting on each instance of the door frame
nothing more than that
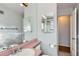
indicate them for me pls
(76, 36)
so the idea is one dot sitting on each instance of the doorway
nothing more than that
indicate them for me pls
(64, 35)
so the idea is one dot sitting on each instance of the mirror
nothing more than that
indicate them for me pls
(47, 23)
(9, 35)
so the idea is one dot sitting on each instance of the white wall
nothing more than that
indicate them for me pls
(64, 30)
(64, 12)
(48, 38)
(36, 11)
(64, 41)
(31, 12)
(10, 18)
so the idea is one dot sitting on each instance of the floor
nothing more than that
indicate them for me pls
(60, 54)
(64, 53)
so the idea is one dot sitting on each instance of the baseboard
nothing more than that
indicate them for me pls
(64, 49)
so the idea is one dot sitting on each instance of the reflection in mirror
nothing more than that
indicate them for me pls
(47, 23)
(27, 24)
(9, 35)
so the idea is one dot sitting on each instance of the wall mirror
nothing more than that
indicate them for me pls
(9, 35)
(47, 23)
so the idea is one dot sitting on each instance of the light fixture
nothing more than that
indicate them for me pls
(24, 4)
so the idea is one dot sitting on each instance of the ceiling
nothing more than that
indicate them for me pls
(15, 7)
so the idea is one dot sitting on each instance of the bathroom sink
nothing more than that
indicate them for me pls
(26, 52)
